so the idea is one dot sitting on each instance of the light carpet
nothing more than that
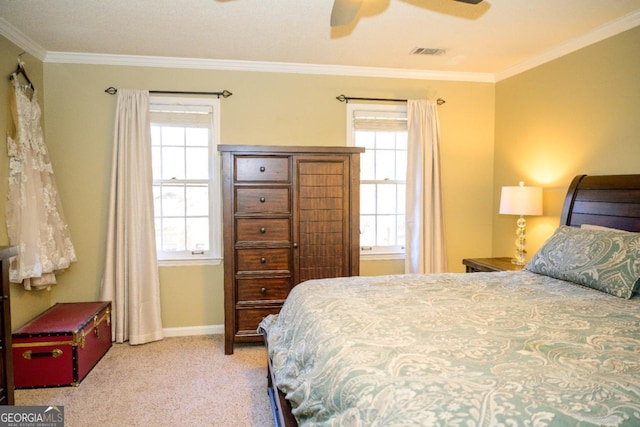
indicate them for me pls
(178, 381)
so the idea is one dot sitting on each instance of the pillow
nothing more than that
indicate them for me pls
(606, 260)
(601, 227)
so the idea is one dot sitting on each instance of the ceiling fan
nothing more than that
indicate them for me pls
(344, 11)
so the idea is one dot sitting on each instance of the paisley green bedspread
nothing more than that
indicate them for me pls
(481, 349)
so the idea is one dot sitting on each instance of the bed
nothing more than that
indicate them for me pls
(557, 343)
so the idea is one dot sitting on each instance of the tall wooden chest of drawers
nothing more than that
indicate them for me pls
(290, 214)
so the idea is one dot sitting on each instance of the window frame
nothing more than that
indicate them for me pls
(376, 252)
(214, 255)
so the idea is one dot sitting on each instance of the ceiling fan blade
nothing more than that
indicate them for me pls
(470, 1)
(344, 11)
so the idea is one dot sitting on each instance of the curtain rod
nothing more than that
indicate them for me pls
(225, 93)
(343, 98)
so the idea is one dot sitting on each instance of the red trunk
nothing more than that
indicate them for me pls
(61, 346)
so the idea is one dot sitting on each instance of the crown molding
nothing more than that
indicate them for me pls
(33, 48)
(610, 29)
(258, 66)
(19, 39)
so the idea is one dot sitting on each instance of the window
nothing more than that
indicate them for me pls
(186, 183)
(382, 131)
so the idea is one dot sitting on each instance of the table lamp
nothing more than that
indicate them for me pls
(521, 200)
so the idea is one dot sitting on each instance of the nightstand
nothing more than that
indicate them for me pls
(475, 265)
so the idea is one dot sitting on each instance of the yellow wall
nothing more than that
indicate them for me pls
(579, 114)
(266, 108)
(24, 305)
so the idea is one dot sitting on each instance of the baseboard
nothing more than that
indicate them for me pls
(193, 330)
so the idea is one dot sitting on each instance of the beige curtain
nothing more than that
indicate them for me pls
(130, 277)
(425, 248)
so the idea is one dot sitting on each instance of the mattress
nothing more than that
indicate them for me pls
(452, 349)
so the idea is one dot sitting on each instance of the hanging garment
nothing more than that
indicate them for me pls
(35, 221)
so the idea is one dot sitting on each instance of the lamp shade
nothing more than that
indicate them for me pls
(521, 200)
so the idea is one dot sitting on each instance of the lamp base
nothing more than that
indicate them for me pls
(521, 242)
(516, 261)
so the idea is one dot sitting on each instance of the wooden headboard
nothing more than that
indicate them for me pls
(606, 200)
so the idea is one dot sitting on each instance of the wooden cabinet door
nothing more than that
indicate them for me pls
(6, 352)
(321, 223)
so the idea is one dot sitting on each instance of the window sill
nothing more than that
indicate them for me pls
(188, 262)
(368, 256)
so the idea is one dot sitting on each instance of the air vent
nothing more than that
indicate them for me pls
(427, 51)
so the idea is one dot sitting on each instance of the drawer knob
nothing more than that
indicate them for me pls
(263, 230)
(263, 291)
(262, 169)
(263, 260)
(262, 200)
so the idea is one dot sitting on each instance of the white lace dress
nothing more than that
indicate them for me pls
(35, 221)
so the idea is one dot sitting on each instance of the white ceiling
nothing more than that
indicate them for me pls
(492, 39)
